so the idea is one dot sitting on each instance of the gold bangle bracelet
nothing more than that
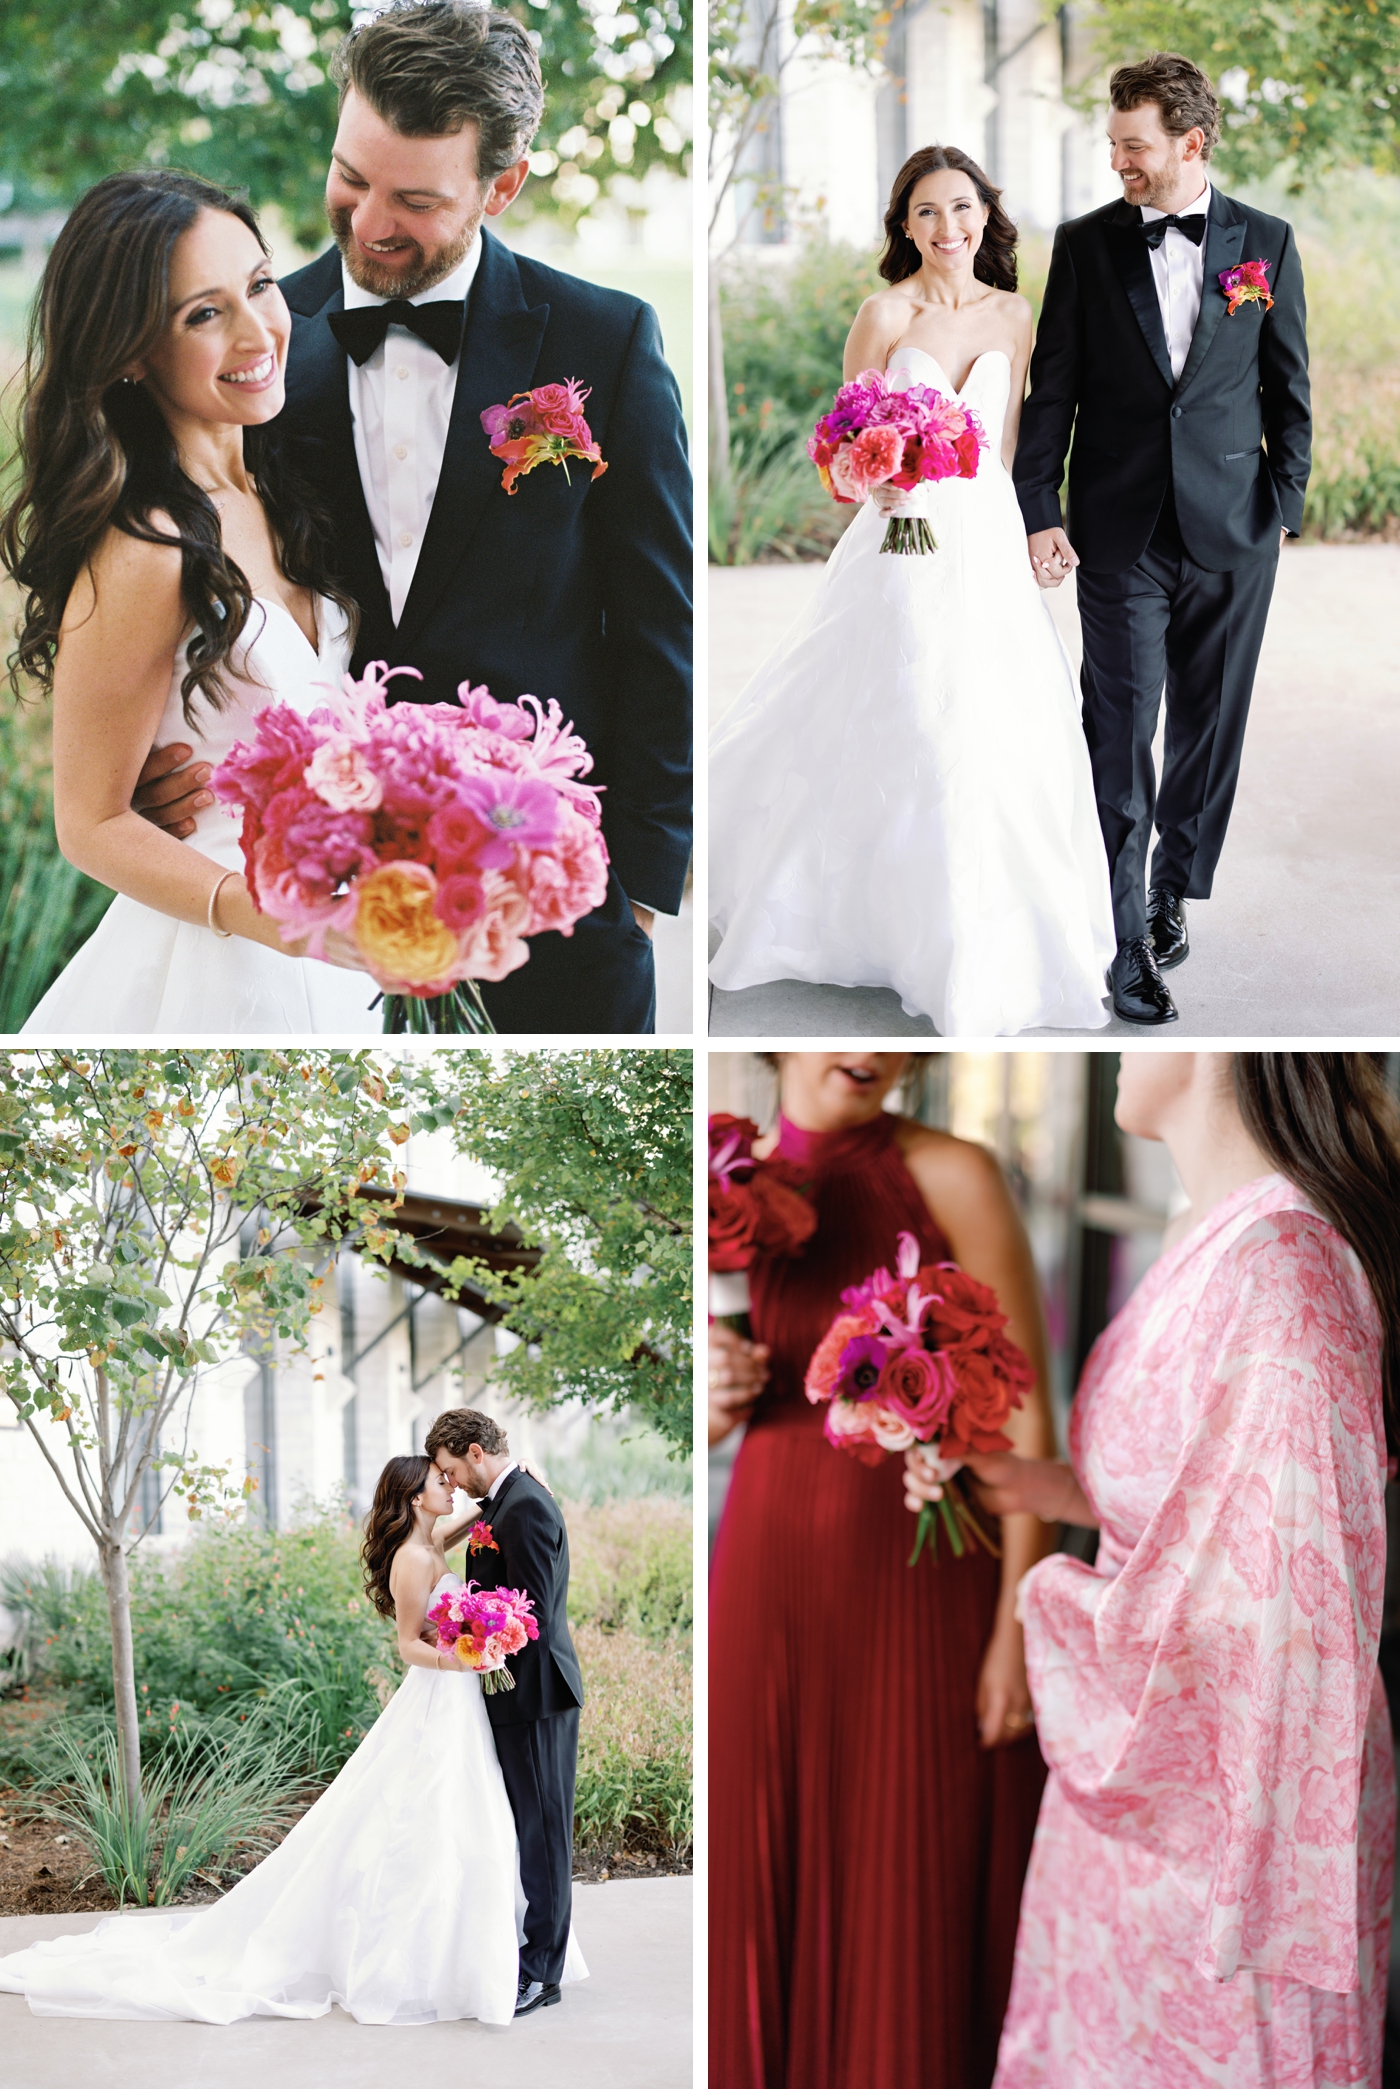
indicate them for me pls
(224, 933)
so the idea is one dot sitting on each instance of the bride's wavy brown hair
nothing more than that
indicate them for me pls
(1328, 1122)
(995, 260)
(96, 454)
(389, 1523)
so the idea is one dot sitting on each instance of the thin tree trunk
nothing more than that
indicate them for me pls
(117, 1582)
(719, 393)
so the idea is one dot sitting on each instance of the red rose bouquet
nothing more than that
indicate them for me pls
(757, 1207)
(920, 1358)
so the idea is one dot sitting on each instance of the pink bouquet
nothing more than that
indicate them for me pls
(483, 1627)
(436, 836)
(545, 426)
(874, 436)
(920, 1358)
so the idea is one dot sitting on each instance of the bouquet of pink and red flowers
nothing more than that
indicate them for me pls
(437, 837)
(483, 1627)
(873, 436)
(545, 426)
(920, 1357)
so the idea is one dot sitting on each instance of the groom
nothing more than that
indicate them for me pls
(536, 1724)
(1189, 411)
(403, 333)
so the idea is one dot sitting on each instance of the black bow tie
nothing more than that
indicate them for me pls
(361, 330)
(1192, 228)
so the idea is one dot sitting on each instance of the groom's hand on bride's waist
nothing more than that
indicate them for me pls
(168, 794)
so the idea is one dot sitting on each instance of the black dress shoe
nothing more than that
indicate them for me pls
(535, 1994)
(1138, 989)
(1166, 927)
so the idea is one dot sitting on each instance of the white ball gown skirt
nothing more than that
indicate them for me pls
(397, 1896)
(902, 797)
(141, 972)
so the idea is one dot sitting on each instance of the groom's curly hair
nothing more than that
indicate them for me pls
(460, 1428)
(1180, 90)
(429, 67)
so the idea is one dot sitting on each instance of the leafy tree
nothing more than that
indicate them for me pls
(129, 1263)
(239, 90)
(752, 44)
(593, 1152)
(1315, 83)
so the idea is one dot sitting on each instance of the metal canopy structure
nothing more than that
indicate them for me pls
(444, 1228)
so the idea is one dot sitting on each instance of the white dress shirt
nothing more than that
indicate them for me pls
(501, 1479)
(401, 403)
(1178, 270)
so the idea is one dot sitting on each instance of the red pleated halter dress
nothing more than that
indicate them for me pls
(866, 1856)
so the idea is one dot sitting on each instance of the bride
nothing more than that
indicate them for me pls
(901, 797)
(397, 1895)
(174, 583)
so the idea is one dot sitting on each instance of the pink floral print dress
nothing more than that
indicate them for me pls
(1208, 1901)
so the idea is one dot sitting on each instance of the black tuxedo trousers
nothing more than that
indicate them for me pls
(1168, 624)
(538, 1762)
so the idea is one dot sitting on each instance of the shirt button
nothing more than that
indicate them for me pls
(400, 451)
(402, 370)
(405, 536)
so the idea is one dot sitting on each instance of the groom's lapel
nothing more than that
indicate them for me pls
(318, 412)
(1225, 232)
(1132, 258)
(500, 348)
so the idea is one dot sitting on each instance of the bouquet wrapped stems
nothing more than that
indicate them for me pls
(462, 1013)
(954, 1511)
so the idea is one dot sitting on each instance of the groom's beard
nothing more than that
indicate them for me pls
(1153, 189)
(409, 279)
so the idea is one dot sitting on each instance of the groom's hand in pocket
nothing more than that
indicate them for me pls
(168, 794)
(643, 916)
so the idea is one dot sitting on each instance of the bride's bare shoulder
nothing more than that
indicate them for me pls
(881, 321)
(128, 573)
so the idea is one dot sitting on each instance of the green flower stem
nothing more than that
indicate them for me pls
(909, 533)
(462, 1013)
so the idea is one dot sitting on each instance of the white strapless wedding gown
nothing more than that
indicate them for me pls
(141, 972)
(901, 797)
(396, 1896)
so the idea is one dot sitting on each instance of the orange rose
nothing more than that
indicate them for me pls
(397, 931)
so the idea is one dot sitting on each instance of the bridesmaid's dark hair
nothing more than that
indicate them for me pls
(1329, 1123)
(995, 260)
(95, 453)
(389, 1523)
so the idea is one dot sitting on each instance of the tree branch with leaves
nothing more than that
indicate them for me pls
(162, 1212)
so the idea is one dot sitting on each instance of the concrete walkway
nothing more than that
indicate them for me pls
(1302, 935)
(628, 2026)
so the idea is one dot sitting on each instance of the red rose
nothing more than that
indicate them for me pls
(919, 1389)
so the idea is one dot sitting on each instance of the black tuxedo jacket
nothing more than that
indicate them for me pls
(534, 1556)
(579, 591)
(1230, 438)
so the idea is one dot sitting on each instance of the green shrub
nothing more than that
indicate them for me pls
(631, 1569)
(635, 1762)
(212, 1801)
(47, 908)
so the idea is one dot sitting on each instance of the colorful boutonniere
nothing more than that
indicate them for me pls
(1246, 284)
(481, 1539)
(545, 426)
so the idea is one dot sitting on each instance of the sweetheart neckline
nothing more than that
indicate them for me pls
(957, 390)
(271, 602)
